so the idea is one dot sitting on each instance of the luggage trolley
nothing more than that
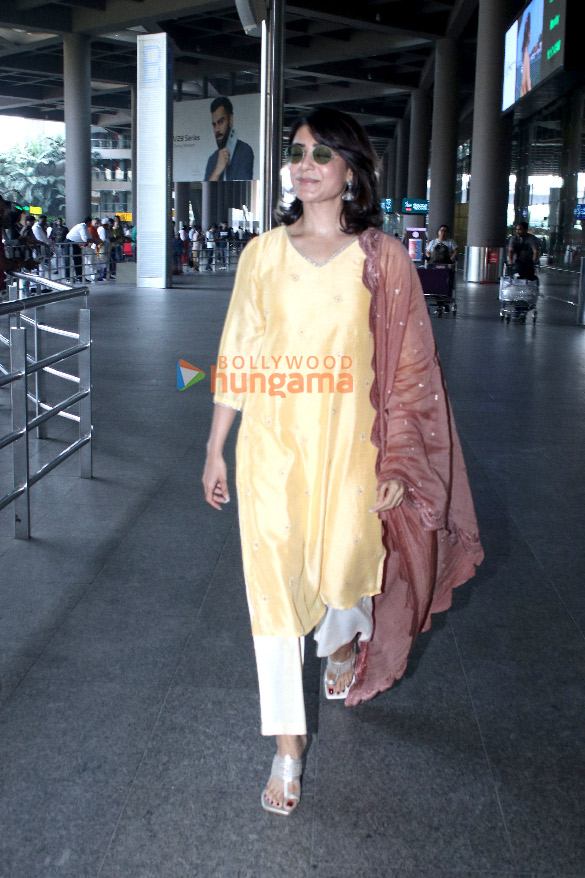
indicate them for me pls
(517, 297)
(438, 283)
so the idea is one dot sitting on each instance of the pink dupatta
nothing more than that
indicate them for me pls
(432, 539)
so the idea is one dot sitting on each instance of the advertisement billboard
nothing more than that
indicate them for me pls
(535, 48)
(216, 139)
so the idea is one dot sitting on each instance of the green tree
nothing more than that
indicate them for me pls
(34, 174)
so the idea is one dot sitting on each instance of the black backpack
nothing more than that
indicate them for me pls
(440, 255)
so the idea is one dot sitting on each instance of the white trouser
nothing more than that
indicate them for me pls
(280, 666)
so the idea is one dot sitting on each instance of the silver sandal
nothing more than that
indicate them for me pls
(288, 770)
(337, 669)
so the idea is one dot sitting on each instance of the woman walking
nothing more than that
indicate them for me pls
(355, 513)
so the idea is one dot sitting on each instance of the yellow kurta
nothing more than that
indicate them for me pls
(295, 357)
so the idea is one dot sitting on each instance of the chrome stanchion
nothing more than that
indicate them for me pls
(581, 295)
(18, 392)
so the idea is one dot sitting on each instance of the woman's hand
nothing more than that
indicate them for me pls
(215, 481)
(390, 495)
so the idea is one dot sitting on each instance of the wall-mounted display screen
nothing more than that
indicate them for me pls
(535, 48)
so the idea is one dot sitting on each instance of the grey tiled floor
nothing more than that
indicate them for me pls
(129, 744)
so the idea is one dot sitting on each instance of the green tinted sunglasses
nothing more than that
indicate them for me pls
(322, 155)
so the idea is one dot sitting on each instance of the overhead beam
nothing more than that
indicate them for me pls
(127, 13)
(47, 19)
(360, 45)
(333, 93)
(405, 24)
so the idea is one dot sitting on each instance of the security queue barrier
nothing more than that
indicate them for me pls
(72, 262)
(26, 337)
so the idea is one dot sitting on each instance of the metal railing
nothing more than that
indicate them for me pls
(74, 263)
(214, 257)
(27, 378)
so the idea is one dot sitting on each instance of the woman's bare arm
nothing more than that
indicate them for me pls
(215, 471)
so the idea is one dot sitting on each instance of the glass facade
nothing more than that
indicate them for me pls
(111, 174)
(547, 177)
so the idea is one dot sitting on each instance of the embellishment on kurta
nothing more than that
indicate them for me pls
(339, 299)
(320, 264)
(295, 276)
(256, 544)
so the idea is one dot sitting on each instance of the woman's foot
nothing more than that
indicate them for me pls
(337, 681)
(274, 794)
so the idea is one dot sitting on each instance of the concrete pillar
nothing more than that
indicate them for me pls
(572, 122)
(487, 208)
(207, 208)
(181, 205)
(77, 92)
(133, 105)
(444, 137)
(389, 179)
(418, 151)
(401, 178)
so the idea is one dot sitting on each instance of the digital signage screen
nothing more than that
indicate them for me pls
(535, 48)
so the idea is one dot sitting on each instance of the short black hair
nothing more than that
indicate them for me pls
(523, 225)
(222, 102)
(443, 226)
(345, 136)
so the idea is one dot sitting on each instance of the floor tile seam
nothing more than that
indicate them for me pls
(562, 601)
(53, 633)
(551, 583)
(39, 518)
(313, 842)
(482, 739)
(161, 709)
(89, 586)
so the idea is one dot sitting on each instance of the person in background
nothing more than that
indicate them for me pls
(44, 248)
(210, 241)
(197, 240)
(523, 252)
(102, 249)
(134, 240)
(57, 236)
(79, 237)
(8, 263)
(116, 244)
(442, 250)
(178, 250)
(27, 238)
(224, 238)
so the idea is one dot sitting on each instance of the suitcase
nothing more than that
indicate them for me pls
(437, 283)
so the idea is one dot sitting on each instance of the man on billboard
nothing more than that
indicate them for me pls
(233, 159)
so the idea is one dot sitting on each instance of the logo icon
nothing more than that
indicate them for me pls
(187, 375)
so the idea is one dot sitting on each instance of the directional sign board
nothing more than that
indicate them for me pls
(415, 205)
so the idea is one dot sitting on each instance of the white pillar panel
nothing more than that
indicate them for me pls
(154, 161)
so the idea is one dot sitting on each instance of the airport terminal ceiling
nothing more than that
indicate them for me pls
(364, 58)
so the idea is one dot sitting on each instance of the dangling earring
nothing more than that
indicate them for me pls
(348, 194)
